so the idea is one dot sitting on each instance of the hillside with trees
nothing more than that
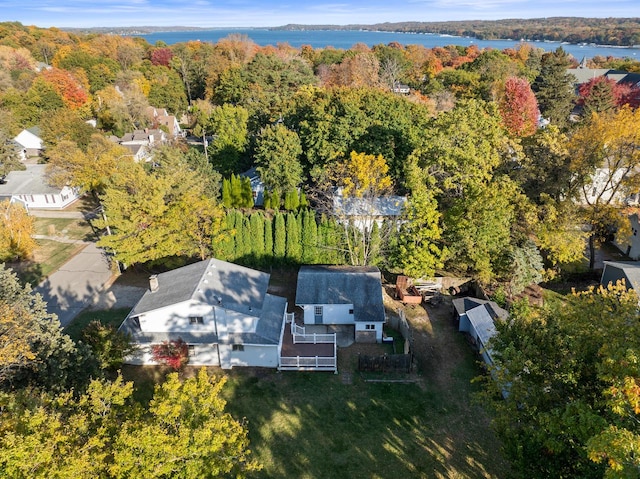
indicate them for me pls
(488, 156)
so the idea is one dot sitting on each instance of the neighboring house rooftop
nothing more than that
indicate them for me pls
(357, 285)
(32, 181)
(482, 321)
(463, 305)
(379, 206)
(627, 270)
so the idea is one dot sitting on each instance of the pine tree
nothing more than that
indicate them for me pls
(309, 237)
(304, 202)
(227, 199)
(598, 96)
(247, 193)
(224, 247)
(279, 237)
(291, 200)
(256, 223)
(293, 246)
(554, 87)
(236, 191)
(275, 200)
(268, 239)
(266, 202)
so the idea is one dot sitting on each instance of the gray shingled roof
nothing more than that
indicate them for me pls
(463, 305)
(32, 181)
(617, 270)
(357, 285)
(212, 281)
(482, 323)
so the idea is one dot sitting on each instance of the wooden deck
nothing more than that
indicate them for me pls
(307, 356)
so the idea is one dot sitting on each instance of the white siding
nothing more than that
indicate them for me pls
(175, 318)
(377, 327)
(204, 355)
(252, 355)
(331, 313)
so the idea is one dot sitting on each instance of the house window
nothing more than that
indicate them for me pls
(370, 326)
(351, 311)
(318, 310)
(196, 319)
(192, 351)
(238, 347)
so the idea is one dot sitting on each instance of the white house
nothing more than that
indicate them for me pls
(31, 189)
(363, 212)
(343, 295)
(221, 310)
(476, 318)
(29, 142)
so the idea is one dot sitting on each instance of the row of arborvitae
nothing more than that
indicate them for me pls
(291, 238)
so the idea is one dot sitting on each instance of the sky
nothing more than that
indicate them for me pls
(271, 13)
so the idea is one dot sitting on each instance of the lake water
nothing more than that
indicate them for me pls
(346, 39)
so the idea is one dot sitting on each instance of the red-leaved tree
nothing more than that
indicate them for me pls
(519, 107)
(622, 93)
(174, 353)
(161, 56)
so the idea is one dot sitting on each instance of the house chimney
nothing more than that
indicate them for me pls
(153, 283)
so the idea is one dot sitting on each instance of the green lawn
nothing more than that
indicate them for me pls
(314, 426)
(311, 425)
(113, 317)
(64, 227)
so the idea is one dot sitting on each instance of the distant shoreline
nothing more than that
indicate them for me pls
(603, 32)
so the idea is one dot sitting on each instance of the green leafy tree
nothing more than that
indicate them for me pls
(184, 432)
(554, 87)
(277, 158)
(418, 251)
(109, 346)
(570, 375)
(50, 359)
(158, 214)
(227, 150)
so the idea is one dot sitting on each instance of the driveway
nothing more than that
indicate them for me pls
(77, 283)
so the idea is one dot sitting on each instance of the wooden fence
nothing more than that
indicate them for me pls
(397, 363)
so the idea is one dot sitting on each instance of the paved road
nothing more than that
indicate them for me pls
(77, 283)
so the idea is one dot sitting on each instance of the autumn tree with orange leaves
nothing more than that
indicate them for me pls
(519, 107)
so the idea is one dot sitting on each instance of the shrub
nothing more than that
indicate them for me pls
(174, 353)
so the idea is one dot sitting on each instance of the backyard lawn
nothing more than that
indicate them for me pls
(324, 425)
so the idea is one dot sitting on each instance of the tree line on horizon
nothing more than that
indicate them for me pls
(623, 32)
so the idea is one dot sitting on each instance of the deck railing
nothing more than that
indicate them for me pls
(314, 363)
(300, 336)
